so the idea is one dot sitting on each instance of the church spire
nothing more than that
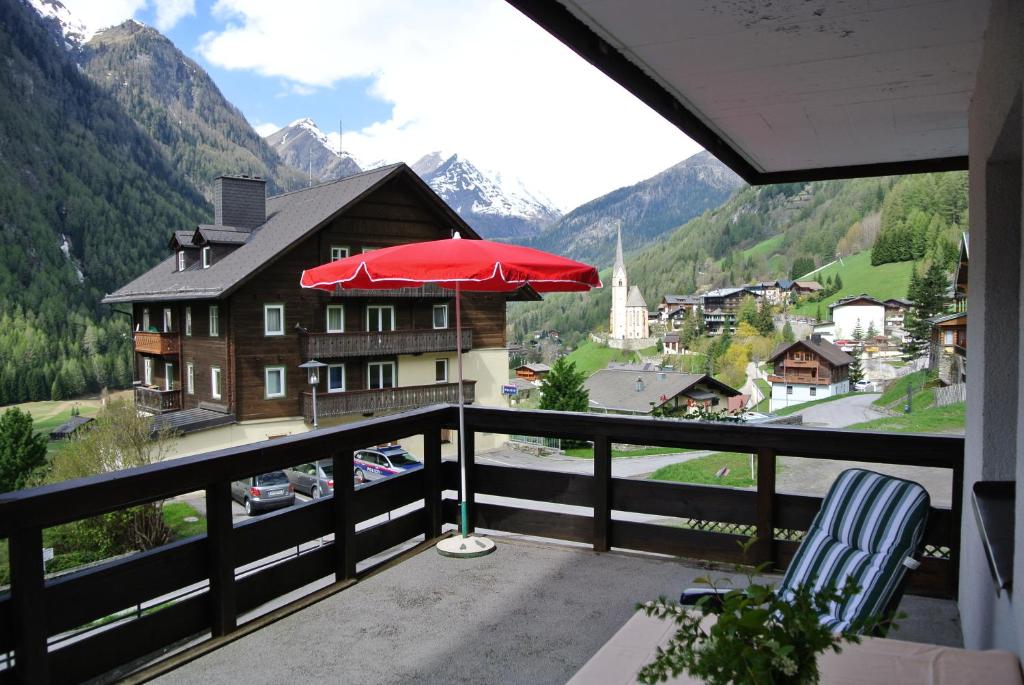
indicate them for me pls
(620, 265)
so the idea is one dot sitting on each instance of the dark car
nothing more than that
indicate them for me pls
(383, 462)
(315, 479)
(263, 492)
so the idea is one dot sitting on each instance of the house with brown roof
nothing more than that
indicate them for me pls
(221, 325)
(807, 370)
(534, 373)
(640, 392)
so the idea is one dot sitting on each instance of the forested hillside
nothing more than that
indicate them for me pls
(178, 104)
(88, 202)
(761, 233)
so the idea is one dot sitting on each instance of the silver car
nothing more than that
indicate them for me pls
(315, 479)
(263, 492)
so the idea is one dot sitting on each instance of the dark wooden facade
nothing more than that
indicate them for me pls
(802, 365)
(394, 214)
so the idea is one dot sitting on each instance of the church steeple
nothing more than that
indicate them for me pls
(619, 265)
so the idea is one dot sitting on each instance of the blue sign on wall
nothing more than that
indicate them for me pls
(509, 390)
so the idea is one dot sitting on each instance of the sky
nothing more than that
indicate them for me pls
(402, 78)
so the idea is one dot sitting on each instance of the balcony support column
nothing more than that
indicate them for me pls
(344, 523)
(29, 604)
(764, 548)
(432, 481)
(220, 534)
(602, 493)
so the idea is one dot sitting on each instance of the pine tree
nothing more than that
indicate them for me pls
(562, 389)
(872, 331)
(927, 292)
(856, 369)
(22, 451)
(839, 282)
(787, 333)
(764, 322)
(858, 332)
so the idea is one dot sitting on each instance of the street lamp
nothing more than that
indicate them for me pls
(313, 367)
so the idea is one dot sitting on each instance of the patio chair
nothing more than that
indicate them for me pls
(868, 529)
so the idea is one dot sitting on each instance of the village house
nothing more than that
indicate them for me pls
(533, 373)
(861, 311)
(640, 392)
(895, 311)
(807, 370)
(671, 343)
(222, 324)
(769, 290)
(720, 308)
(804, 288)
(672, 306)
(947, 354)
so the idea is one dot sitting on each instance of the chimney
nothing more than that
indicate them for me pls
(239, 201)
(816, 338)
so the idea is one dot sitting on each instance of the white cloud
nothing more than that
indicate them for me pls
(170, 12)
(266, 128)
(474, 77)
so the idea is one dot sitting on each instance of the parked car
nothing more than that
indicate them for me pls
(263, 492)
(315, 479)
(863, 385)
(383, 462)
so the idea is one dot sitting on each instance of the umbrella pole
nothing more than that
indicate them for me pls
(464, 545)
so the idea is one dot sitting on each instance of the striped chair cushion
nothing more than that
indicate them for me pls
(867, 525)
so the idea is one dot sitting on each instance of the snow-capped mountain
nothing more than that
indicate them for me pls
(303, 146)
(497, 207)
(65, 28)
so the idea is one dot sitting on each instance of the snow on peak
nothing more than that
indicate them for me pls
(74, 30)
(465, 186)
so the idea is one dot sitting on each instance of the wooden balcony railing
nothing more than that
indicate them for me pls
(39, 614)
(385, 399)
(156, 343)
(157, 401)
(364, 344)
(429, 291)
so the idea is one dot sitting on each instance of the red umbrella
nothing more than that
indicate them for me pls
(476, 265)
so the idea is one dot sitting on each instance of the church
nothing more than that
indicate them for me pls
(628, 327)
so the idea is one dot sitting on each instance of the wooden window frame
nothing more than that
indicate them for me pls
(266, 330)
(266, 382)
(214, 321)
(381, 329)
(188, 321)
(181, 260)
(145, 319)
(168, 376)
(147, 371)
(216, 391)
(168, 320)
(344, 379)
(437, 363)
(394, 375)
(337, 249)
(190, 378)
(327, 318)
(433, 316)
(207, 258)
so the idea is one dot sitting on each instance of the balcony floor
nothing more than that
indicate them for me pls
(533, 612)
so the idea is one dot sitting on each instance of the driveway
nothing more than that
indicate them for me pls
(844, 412)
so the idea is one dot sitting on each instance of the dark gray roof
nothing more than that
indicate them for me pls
(184, 238)
(635, 298)
(942, 318)
(290, 218)
(190, 420)
(70, 426)
(536, 368)
(854, 298)
(225, 235)
(615, 389)
(829, 351)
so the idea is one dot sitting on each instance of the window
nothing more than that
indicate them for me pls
(274, 381)
(168, 319)
(949, 337)
(338, 252)
(190, 378)
(207, 260)
(147, 371)
(441, 370)
(181, 260)
(789, 389)
(380, 375)
(440, 316)
(335, 378)
(380, 318)
(168, 376)
(369, 249)
(145, 319)
(335, 318)
(214, 321)
(273, 319)
(215, 382)
(814, 391)
(188, 320)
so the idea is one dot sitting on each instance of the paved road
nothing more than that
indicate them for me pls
(844, 412)
(629, 467)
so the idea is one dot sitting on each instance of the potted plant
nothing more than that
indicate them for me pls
(752, 635)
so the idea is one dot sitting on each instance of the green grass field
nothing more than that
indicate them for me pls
(590, 357)
(703, 469)
(882, 281)
(767, 248)
(895, 395)
(930, 419)
(766, 391)
(588, 452)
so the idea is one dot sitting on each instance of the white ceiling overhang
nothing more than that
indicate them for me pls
(784, 90)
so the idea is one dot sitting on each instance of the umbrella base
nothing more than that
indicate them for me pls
(465, 547)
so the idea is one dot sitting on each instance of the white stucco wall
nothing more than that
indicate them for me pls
(845, 318)
(617, 318)
(802, 393)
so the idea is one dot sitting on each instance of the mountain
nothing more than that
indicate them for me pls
(497, 207)
(66, 29)
(303, 146)
(646, 211)
(87, 202)
(197, 130)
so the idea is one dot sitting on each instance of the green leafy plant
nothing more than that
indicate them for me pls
(757, 637)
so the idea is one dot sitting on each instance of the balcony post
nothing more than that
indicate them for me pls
(432, 481)
(602, 493)
(765, 546)
(469, 497)
(219, 536)
(29, 602)
(344, 523)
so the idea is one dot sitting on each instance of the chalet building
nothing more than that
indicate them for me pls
(808, 370)
(632, 391)
(896, 311)
(672, 344)
(533, 373)
(720, 308)
(947, 354)
(769, 290)
(673, 306)
(804, 288)
(858, 310)
(222, 325)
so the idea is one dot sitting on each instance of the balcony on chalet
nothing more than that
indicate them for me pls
(156, 343)
(156, 400)
(374, 343)
(313, 588)
(385, 399)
